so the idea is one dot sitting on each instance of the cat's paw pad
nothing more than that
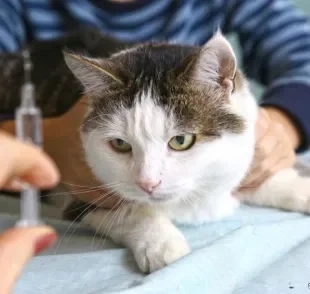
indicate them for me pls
(152, 256)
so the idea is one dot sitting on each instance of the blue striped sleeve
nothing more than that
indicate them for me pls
(12, 28)
(275, 37)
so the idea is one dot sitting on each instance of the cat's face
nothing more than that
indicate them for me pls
(166, 122)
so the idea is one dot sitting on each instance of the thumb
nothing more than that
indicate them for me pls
(17, 246)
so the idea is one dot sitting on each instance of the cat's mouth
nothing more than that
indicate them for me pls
(159, 199)
(156, 199)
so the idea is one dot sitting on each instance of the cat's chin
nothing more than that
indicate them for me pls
(161, 199)
(154, 199)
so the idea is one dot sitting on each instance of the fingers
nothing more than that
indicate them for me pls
(267, 144)
(262, 124)
(25, 162)
(17, 246)
(266, 151)
(273, 152)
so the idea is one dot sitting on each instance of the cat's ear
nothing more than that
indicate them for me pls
(216, 63)
(96, 75)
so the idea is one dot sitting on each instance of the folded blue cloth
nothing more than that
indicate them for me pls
(256, 251)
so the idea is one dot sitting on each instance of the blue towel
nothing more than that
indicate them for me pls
(256, 251)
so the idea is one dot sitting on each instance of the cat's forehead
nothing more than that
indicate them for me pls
(150, 83)
(147, 117)
(154, 60)
(144, 120)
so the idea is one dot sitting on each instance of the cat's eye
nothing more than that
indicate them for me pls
(182, 142)
(120, 145)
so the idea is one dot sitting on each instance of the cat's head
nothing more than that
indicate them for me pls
(166, 121)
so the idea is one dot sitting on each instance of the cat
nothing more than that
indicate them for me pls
(171, 129)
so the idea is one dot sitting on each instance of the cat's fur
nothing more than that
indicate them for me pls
(145, 96)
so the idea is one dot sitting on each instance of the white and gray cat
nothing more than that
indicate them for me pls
(171, 128)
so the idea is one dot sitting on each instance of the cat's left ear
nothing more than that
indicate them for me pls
(96, 75)
(216, 63)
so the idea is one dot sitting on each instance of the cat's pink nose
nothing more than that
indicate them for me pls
(148, 186)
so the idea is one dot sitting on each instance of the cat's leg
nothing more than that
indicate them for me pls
(153, 239)
(286, 190)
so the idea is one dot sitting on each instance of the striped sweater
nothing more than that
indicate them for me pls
(274, 35)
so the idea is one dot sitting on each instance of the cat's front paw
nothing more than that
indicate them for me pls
(296, 196)
(301, 195)
(153, 255)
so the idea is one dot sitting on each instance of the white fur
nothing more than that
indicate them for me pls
(196, 185)
(153, 239)
(189, 180)
(286, 190)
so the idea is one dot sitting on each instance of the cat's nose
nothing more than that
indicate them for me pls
(148, 186)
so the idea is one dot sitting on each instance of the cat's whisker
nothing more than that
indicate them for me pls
(81, 186)
(87, 214)
(117, 213)
(71, 193)
(121, 222)
(88, 190)
(105, 197)
(91, 187)
(73, 222)
(98, 228)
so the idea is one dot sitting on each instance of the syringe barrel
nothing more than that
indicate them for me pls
(29, 125)
(28, 129)
(30, 210)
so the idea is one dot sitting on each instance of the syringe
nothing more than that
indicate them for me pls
(28, 129)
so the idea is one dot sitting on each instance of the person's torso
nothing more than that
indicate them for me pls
(182, 21)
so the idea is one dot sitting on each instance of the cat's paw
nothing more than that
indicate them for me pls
(286, 190)
(296, 196)
(301, 195)
(153, 255)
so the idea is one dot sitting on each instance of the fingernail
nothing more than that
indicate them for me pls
(45, 242)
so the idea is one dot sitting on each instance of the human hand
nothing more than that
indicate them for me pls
(22, 162)
(274, 149)
(17, 247)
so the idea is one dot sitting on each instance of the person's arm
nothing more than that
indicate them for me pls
(12, 27)
(275, 38)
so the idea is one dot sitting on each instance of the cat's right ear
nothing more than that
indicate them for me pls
(96, 75)
(215, 64)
